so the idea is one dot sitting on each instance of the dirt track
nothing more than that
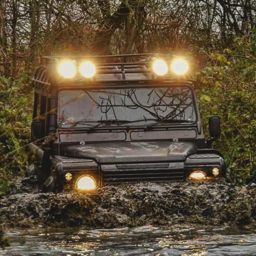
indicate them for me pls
(132, 205)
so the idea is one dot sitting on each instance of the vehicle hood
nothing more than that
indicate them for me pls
(131, 152)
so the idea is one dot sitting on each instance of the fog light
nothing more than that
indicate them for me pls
(68, 176)
(86, 183)
(197, 175)
(179, 66)
(67, 69)
(160, 67)
(87, 69)
(215, 171)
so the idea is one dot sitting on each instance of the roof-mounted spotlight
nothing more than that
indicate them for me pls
(179, 66)
(87, 69)
(67, 68)
(160, 67)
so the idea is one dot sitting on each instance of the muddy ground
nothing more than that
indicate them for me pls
(210, 203)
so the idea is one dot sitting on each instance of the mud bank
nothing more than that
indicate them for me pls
(132, 205)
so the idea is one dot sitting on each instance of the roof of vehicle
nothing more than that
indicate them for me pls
(124, 68)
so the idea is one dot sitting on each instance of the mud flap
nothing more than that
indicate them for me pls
(49, 185)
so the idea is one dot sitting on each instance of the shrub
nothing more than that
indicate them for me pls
(227, 88)
(15, 119)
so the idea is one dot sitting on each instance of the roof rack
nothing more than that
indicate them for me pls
(110, 68)
(123, 56)
(123, 64)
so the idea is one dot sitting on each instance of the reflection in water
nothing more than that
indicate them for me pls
(146, 240)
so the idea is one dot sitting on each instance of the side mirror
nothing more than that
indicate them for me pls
(37, 130)
(214, 126)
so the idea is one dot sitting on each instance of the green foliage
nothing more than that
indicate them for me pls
(15, 120)
(4, 187)
(227, 88)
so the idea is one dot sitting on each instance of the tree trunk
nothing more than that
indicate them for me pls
(34, 21)
(3, 39)
(14, 41)
(110, 25)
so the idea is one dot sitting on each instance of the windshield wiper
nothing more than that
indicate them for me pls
(167, 121)
(96, 121)
(99, 123)
(106, 122)
(109, 122)
(120, 122)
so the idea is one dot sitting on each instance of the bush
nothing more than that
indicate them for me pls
(15, 120)
(227, 89)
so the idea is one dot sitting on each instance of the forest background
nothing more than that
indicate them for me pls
(220, 35)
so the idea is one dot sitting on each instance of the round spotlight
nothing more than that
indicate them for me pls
(160, 67)
(197, 175)
(86, 183)
(215, 171)
(179, 66)
(87, 69)
(67, 69)
(68, 176)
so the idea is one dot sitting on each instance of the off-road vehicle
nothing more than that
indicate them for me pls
(102, 120)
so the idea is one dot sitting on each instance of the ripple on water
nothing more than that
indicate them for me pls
(146, 240)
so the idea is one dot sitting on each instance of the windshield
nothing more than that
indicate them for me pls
(125, 107)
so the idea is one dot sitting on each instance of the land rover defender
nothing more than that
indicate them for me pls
(103, 120)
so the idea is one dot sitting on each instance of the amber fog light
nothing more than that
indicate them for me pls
(215, 171)
(197, 175)
(86, 183)
(68, 176)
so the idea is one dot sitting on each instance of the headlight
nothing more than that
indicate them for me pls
(67, 69)
(86, 183)
(68, 176)
(215, 171)
(160, 67)
(179, 66)
(197, 175)
(87, 69)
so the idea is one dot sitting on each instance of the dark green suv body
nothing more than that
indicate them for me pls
(123, 124)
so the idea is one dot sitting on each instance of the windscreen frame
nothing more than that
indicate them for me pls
(138, 85)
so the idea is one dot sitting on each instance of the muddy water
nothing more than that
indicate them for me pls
(145, 240)
(163, 220)
(133, 205)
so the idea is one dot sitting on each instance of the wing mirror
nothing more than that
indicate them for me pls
(214, 126)
(37, 130)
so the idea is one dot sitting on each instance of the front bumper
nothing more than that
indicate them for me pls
(76, 175)
(206, 162)
(137, 172)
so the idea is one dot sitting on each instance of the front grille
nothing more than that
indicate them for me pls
(142, 172)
